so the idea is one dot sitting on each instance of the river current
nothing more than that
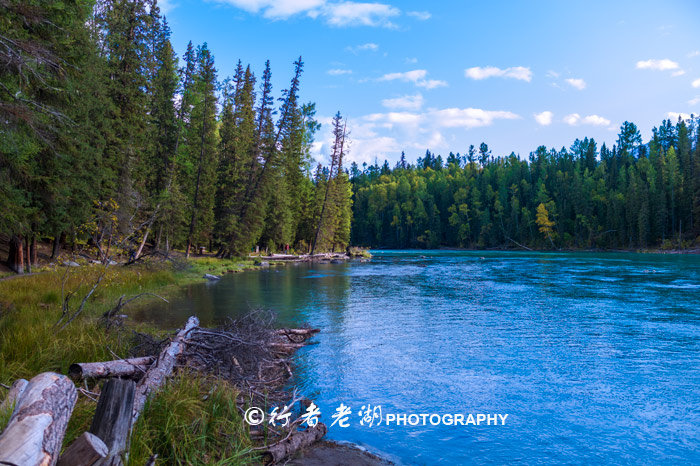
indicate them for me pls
(595, 358)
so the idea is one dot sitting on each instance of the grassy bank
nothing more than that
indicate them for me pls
(192, 421)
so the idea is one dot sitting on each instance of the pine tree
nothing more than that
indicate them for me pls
(203, 150)
(328, 218)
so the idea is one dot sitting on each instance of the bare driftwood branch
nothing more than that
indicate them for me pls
(35, 432)
(130, 368)
(162, 368)
(294, 442)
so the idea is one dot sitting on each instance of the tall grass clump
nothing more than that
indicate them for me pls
(193, 420)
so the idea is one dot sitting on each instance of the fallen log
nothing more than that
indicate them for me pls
(297, 331)
(285, 347)
(86, 450)
(35, 432)
(294, 442)
(162, 368)
(14, 394)
(132, 368)
(112, 420)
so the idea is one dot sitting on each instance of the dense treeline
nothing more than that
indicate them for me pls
(632, 195)
(104, 136)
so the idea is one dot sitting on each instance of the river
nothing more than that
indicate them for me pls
(594, 357)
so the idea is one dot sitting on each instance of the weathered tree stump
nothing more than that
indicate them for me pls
(86, 450)
(162, 368)
(112, 421)
(35, 432)
(132, 368)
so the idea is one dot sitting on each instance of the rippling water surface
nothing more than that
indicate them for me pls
(595, 357)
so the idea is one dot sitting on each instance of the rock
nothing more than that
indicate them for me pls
(94, 261)
(337, 261)
(71, 264)
(112, 263)
(211, 277)
(263, 264)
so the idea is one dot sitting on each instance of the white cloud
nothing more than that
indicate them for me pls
(576, 83)
(695, 100)
(431, 83)
(420, 15)
(166, 6)
(659, 65)
(276, 9)
(345, 13)
(411, 61)
(406, 102)
(468, 117)
(417, 77)
(696, 83)
(674, 116)
(516, 72)
(369, 46)
(574, 119)
(678, 73)
(338, 72)
(377, 135)
(694, 53)
(359, 14)
(544, 118)
(552, 74)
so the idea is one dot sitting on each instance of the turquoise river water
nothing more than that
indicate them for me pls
(594, 357)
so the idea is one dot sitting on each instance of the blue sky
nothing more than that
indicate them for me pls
(442, 75)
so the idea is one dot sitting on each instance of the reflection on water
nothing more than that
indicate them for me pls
(594, 357)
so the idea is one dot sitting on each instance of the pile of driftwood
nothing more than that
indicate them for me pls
(247, 352)
(321, 257)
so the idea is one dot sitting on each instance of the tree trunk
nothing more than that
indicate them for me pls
(56, 250)
(28, 249)
(15, 258)
(86, 450)
(35, 432)
(295, 442)
(143, 243)
(35, 251)
(158, 237)
(112, 421)
(163, 367)
(131, 368)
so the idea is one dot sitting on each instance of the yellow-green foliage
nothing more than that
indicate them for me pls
(193, 420)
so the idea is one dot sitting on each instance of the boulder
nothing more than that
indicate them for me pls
(211, 277)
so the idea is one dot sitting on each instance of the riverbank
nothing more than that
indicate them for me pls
(31, 342)
(570, 250)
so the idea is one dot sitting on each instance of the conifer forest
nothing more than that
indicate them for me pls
(106, 129)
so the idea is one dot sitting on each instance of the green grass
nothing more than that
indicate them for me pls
(193, 420)
(178, 423)
(214, 266)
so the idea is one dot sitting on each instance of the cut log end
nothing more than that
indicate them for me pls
(86, 450)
